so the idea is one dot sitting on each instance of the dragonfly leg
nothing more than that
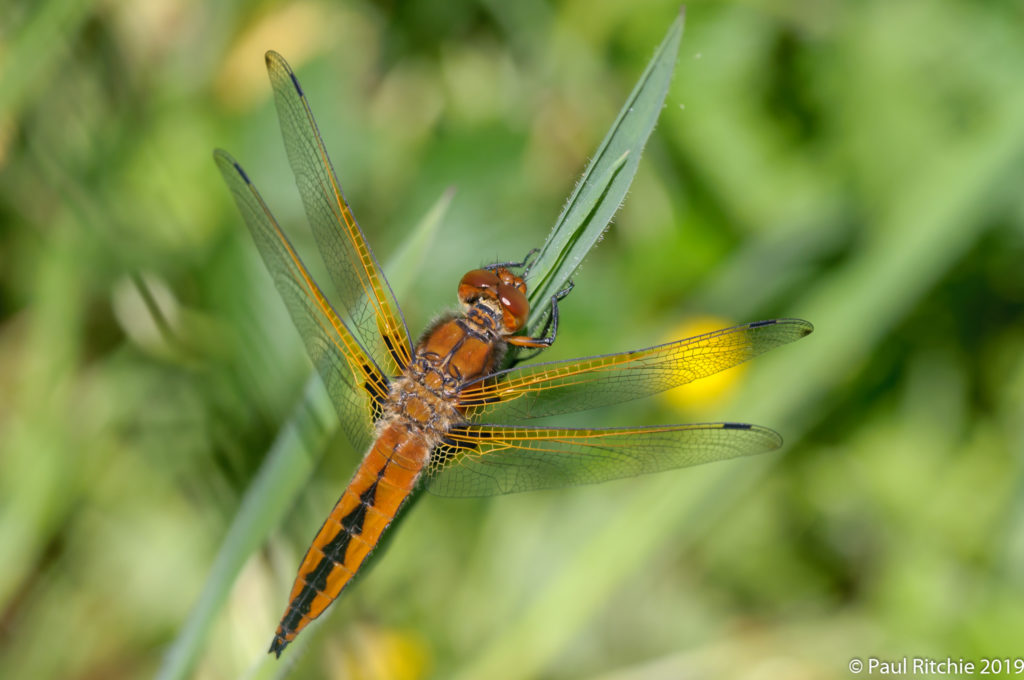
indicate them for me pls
(544, 340)
(513, 265)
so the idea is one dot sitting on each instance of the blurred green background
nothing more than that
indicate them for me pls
(856, 164)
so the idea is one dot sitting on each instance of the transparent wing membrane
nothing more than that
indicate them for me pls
(363, 292)
(573, 385)
(485, 460)
(353, 381)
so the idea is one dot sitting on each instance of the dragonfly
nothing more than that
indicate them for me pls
(430, 414)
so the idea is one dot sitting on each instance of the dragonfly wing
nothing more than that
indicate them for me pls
(363, 291)
(485, 460)
(580, 384)
(356, 386)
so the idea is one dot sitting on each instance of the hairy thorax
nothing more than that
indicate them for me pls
(455, 350)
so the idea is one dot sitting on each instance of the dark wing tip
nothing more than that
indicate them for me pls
(764, 432)
(277, 66)
(275, 62)
(241, 172)
(226, 162)
(295, 82)
(795, 328)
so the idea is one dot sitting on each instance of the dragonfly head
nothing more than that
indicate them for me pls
(504, 289)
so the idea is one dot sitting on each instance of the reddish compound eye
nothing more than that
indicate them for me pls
(476, 284)
(515, 305)
(504, 287)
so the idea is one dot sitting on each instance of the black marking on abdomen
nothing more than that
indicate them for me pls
(334, 553)
(369, 497)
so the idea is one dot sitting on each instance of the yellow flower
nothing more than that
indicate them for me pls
(707, 393)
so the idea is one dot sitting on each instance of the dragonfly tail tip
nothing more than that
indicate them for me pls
(277, 646)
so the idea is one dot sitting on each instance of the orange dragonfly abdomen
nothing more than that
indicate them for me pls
(380, 486)
(417, 415)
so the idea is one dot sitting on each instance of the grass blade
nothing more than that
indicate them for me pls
(603, 185)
